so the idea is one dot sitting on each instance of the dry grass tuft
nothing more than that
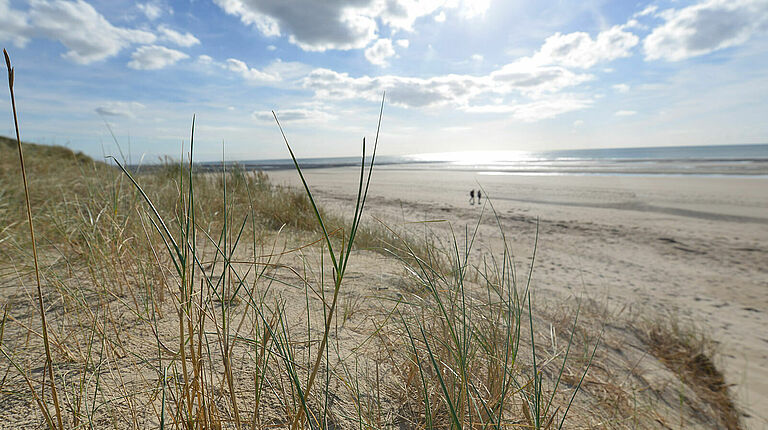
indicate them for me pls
(687, 352)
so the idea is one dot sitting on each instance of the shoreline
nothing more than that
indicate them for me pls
(746, 160)
(759, 172)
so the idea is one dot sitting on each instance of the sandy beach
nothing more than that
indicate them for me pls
(690, 246)
(645, 291)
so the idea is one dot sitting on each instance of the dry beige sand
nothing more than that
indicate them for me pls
(695, 247)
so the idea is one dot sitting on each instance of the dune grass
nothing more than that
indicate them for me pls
(687, 352)
(41, 304)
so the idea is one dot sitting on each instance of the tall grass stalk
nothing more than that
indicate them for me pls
(339, 262)
(48, 360)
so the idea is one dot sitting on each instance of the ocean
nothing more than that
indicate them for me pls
(721, 160)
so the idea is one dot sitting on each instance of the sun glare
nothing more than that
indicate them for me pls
(475, 158)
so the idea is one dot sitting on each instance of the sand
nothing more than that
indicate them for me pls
(693, 247)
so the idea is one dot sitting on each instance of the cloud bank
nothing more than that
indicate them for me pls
(318, 25)
(705, 27)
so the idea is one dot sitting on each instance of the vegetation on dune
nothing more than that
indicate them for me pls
(687, 352)
(186, 300)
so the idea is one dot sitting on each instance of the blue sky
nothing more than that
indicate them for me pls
(459, 74)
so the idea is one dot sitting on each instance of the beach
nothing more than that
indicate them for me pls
(646, 306)
(693, 247)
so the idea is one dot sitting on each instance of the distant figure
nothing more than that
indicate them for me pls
(472, 197)
(479, 196)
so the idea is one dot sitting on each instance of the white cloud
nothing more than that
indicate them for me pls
(704, 28)
(539, 80)
(379, 52)
(153, 57)
(537, 110)
(621, 88)
(523, 77)
(578, 123)
(633, 23)
(313, 26)
(13, 25)
(401, 91)
(339, 24)
(252, 75)
(271, 48)
(527, 76)
(86, 34)
(124, 109)
(624, 113)
(151, 10)
(402, 14)
(186, 40)
(276, 72)
(287, 70)
(474, 8)
(294, 115)
(579, 50)
(649, 10)
(440, 17)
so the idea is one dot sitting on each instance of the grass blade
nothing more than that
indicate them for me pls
(48, 360)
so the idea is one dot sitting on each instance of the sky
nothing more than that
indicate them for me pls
(458, 75)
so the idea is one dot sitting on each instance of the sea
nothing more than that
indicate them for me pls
(721, 160)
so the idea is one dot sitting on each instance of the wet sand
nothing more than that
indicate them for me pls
(693, 247)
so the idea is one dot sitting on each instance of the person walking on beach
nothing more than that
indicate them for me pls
(472, 197)
(479, 196)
